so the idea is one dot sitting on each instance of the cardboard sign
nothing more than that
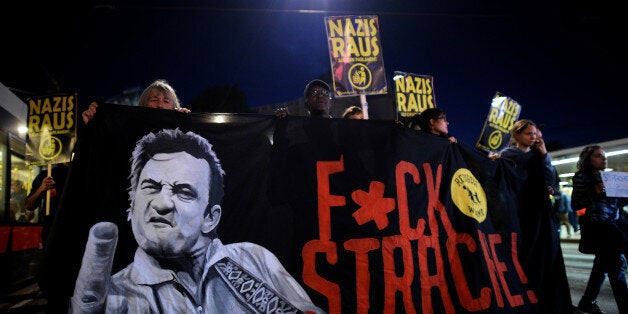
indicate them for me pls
(616, 183)
(355, 53)
(413, 94)
(502, 115)
(51, 129)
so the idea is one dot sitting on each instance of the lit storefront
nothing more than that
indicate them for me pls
(20, 230)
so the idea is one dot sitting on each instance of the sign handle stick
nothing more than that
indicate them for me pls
(365, 106)
(48, 192)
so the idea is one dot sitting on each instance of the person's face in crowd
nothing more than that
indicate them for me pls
(318, 99)
(157, 99)
(439, 126)
(169, 211)
(15, 187)
(527, 137)
(598, 159)
(357, 115)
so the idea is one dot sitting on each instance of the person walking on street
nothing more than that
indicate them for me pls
(562, 208)
(604, 231)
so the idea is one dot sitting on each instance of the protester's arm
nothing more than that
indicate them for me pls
(581, 196)
(89, 113)
(551, 177)
(540, 146)
(92, 283)
(46, 184)
(184, 110)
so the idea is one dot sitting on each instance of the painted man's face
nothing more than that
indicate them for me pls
(170, 205)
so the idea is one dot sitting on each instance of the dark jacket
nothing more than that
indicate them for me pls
(604, 226)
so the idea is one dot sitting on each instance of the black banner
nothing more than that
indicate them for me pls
(367, 216)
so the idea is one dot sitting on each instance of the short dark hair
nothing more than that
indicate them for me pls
(313, 83)
(423, 119)
(169, 141)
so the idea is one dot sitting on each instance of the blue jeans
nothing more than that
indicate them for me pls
(573, 220)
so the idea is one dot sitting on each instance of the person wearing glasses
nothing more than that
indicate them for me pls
(434, 121)
(317, 98)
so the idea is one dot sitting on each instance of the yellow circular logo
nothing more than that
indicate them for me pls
(468, 194)
(50, 148)
(360, 76)
(495, 139)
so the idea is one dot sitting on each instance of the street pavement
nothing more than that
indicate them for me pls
(25, 300)
(578, 266)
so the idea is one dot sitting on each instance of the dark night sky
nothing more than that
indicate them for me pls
(564, 62)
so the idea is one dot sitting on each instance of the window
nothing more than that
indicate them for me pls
(16, 178)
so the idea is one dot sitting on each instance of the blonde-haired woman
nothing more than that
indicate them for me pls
(525, 143)
(539, 248)
(159, 94)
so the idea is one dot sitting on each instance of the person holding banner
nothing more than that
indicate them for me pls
(181, 265)
(527, 141)
(540, 253)
(159, 94)
(604, 230)
(317, 98)
(353, 112)
(36, 200)
(434, 121)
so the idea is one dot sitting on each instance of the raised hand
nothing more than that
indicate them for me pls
(92, 283)
(89, 113)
